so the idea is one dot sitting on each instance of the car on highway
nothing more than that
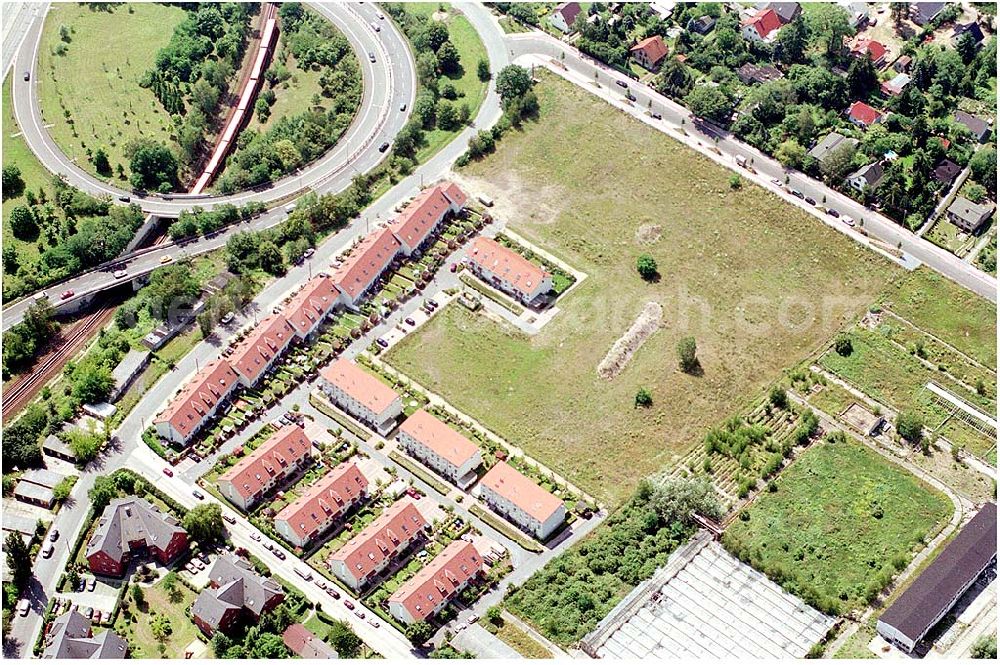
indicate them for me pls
(279, 553)
(374, 623)
(348, 604)
(380, 15)
(255, 536)
(833, 213)
(198, 495)
(383, 147)
(776, 182)
(333, 592)
(121, 273)
(167, 471)
(847, 220)
(304, 574)
(409, 321)
(810, 200)
(23, 607)
(656, 116)
(621, 84)
(629, 96)
(48, 550)
(381, 342)
(359, 613)
(402, 107)
(796, 193)
(54, 535)
(229, 518)
(166, 259)
(27, 76)
(68, 293)
(371, 56)
(375, 26)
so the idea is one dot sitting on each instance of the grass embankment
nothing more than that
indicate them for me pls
(91, 94)
(842, 522)
(758, 283)
(521, 641)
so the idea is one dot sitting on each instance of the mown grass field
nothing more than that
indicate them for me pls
(841, 521)
(159, 602)
(96, 81)
(759, 284)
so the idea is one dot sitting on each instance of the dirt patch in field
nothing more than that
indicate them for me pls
(647, 234)
(621, 352)
(516, 198)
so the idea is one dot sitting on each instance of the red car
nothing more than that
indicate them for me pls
(67, 294)
(168, 471)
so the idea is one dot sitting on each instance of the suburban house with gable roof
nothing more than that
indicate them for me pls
(863, 115)
(369, 552)
(507, 270)
(197, 402)
(365, 265)
(252, 357)
(268, 467)
(322, 505)
(362, 395)
(564, 15)
(521, 500)
(867, 177)
(416, 225)
(441, 448)
(861, 47)
(967, 215)
(650, 52)
(979, 128)
(301, 641)
(761, 27)
(132, 528)
(436, 584)
(235, 593)
(71, 636)
(317, 298)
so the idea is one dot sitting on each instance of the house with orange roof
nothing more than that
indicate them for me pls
(317, 298)
(761, 27)
(861, 47)
(441, 448)
(521, 501)
(365, 265)
(436, 584)
(863, 115)
(507, 270)
(416, 225)
(259, 350)
(322, 505)
(362, 395)
(367, 554)
(197, 402)
(268, 467)
(649, 52)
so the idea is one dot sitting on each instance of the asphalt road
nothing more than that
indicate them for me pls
(388, 82)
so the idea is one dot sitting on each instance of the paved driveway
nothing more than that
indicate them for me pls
(484, 644)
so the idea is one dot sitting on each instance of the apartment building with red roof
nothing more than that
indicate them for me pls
(863, 115)
(521, 501)
(317, 298)
(262, 346)
(441, 448)
(436, 584)
(197, 402)
(322, 505)
(268, 467)
(362, 395)
(507, 270)
(365, 265)
(650, 52)
(367, 554)
(762, 26)
(416, 225)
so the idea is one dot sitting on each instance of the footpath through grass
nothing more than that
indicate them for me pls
(841, 524)
(759, 284)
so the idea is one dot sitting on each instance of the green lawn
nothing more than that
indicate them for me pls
(733, 265)
(856, 646)
(158, 602)
(841, 523)
(97, 80)
(945, 309)
(948, 236)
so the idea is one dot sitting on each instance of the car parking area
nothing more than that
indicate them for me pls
(195, 571)
(102, 598)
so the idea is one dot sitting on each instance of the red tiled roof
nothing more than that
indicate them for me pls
(199, 396)
(863, 113)
(506, 263)
(367, 261)
(522, 491)
(438, 580)
(423, 214)
(330, 495)
(311, 304)
(875, 50)
(304, 644)
(569, 11)
(653, 47)
(440, 438)
(359, 384)
(764, 22)
(256, 352)
(280, 451)
(382, 539)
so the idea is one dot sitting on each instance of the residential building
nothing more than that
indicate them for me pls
(785, 11)
(861, 47)
(822, 150)
(362, 395)
(416, 225)
(307, 308)
(923, 13)
(365, 265)
(521, 501)
(946, 171)
(750, 73)
(903, 64)
(126, 371)
(972, 29)
(132, 528)
(564, 15)
(436, 584)
(71, 636)
(367, 554)
(863, 115)
(859, 14)
(252, 357)
(649, 52)
(867, 177)
(762, 27)
(896, 85)
(507, 270)
(967, 215)
(268, 467)
(304, 644)
(322, 505)
(932, 595)
(197, 402)
(441, 448)
(702, 25)
(235, 592)
(979, 128)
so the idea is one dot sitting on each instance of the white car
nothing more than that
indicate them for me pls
(48, 550)
(255, 536)
(775, 181)
(23, 607)
(121, 273)
(847, 220)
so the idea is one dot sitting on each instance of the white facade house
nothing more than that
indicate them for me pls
(361, 395)
(505, 269)
(521, 501)
(441, 448)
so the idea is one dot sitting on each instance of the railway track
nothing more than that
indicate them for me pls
(24, 388)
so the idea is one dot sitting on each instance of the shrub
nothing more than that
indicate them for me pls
(643, 398)
(687, 352)
(646, 267)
